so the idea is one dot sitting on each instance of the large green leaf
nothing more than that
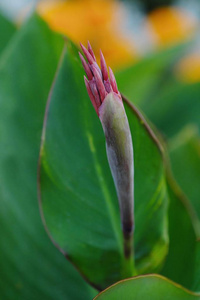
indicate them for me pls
(31, 267)
(185, 161)
(78, 197)
(147, 287)
(6, 32)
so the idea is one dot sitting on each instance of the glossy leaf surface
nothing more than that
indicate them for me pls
(31, 267)
(78, 198)
(146, 288)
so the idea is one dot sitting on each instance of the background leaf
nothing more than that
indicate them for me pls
(79, 201)
(176, 104)
(147, 287)
(141, 82)
(7, 31)
(31, 267)
(185, 161)
(180, 261)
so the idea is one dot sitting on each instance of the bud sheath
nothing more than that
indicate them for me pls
(120, 157)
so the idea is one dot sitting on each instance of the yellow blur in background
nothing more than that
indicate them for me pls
(188, 69)
(100, 22)
(171, 25)
(97, 21)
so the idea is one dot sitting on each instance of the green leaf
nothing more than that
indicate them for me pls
(180, 261)
(78, 197)
(7, 31)
(31, 267)
(180, 106)
(147, 287)
(185, 161)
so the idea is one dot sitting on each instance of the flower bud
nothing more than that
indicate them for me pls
(120, 155)
(108, 105)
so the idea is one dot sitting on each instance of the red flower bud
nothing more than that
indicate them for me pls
(98, 84)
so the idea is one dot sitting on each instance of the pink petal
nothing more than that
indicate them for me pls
(91, 95)
(107, 86)
(87, 54)
(86, 67)
(99, 83)
(91, 51)
(103, 66)
(113, 81)
(95, 65)
(95, 92)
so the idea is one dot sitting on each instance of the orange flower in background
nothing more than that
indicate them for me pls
(188, 68)
(97, 21)
(170, 25)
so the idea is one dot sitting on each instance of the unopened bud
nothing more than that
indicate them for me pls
(120, 155)
(108, 105)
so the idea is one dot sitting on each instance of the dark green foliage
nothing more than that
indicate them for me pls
(31, 267)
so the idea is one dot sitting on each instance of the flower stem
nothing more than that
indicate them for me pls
(129, 256)
(128, 237)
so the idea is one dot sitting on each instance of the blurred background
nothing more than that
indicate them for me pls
(133, 28)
